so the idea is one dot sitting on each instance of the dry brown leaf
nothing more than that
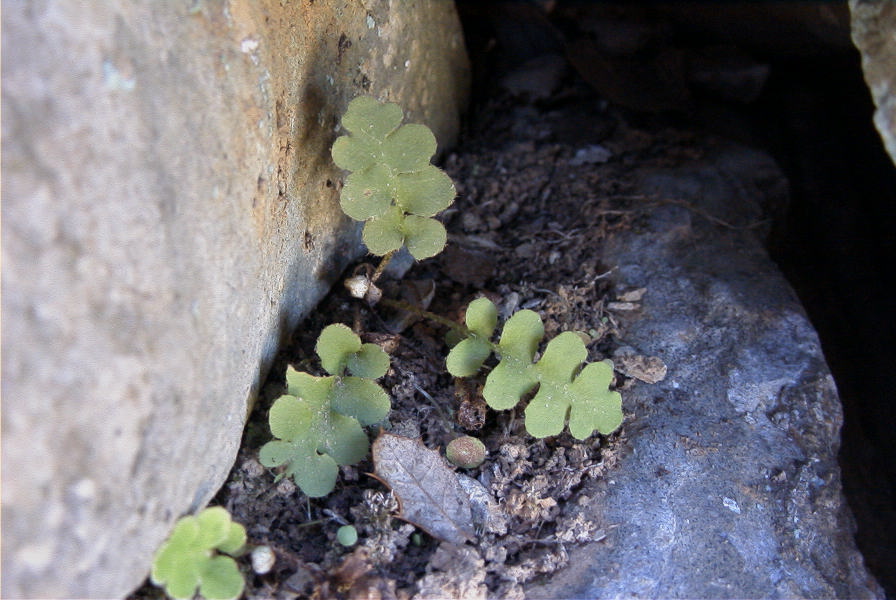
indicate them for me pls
(431, 497)
(649, 369)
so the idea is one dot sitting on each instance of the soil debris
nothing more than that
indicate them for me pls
(526, 231)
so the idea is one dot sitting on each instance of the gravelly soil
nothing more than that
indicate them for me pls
(536, 200)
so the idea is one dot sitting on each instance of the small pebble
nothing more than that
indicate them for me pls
(465, 452)
(263, 559)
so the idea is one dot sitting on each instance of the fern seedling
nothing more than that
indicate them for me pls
(392, 187)
(566, 390)
(189, 558)
(318, 421)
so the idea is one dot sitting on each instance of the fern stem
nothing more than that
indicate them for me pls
(402, 305)
(387, 258)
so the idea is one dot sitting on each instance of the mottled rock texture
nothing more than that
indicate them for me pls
(169, 213)
(727, 483)
(874, 34)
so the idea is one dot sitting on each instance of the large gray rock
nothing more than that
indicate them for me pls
(169, 213)
(874, 34)
(727, 484)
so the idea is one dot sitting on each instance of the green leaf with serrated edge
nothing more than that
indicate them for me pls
(290, 417)
(426, 192)
(596, 406)
(334, 346)
(221, 579)
(368, 193)
(409, 148)
(482, 317)
(367, 116)
(355, 152)
(360, 398)
(424, 237)
(214, 525)
(521, 334)
(384, 234)
(235, 540)
(466, 358)
(370, 361)
(507, 383)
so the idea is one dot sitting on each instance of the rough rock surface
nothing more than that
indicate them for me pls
(728, 484)
(874, 34)
(169, 212)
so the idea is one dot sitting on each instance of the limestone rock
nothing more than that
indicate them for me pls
(727, 483)
(169, 213)
(874, 34)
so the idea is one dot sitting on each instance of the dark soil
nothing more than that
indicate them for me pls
(525, 231)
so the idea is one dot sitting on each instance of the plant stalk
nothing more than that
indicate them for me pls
(407, 306)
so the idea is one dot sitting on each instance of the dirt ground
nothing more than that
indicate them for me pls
(537, 197)
(540, 187)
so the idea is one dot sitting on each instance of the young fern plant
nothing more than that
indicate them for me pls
(318, 421)
(566, 390)
(392, 187)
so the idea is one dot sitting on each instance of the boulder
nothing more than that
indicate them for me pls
(170, 212)
(727, 483)
(874, 34)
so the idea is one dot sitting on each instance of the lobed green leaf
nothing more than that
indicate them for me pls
(370, 361)
(367, 193)
(221, 579)
(344, 440)
(467, 357)
(585, 398)
(508, 382)
(596, 407)
(409, 148)
(276, 453)
(335, 345)
(562, 358)
(546, 412)
(482, 317)
(314, 390)
(314, 473)
(424, 237)
(318, 422)
(384, 234)
(187, 559)
(214, 526)
(426, 192)
(360, 398)
(521, 334)
(290, 417)
(366, 116)
(355, 153)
